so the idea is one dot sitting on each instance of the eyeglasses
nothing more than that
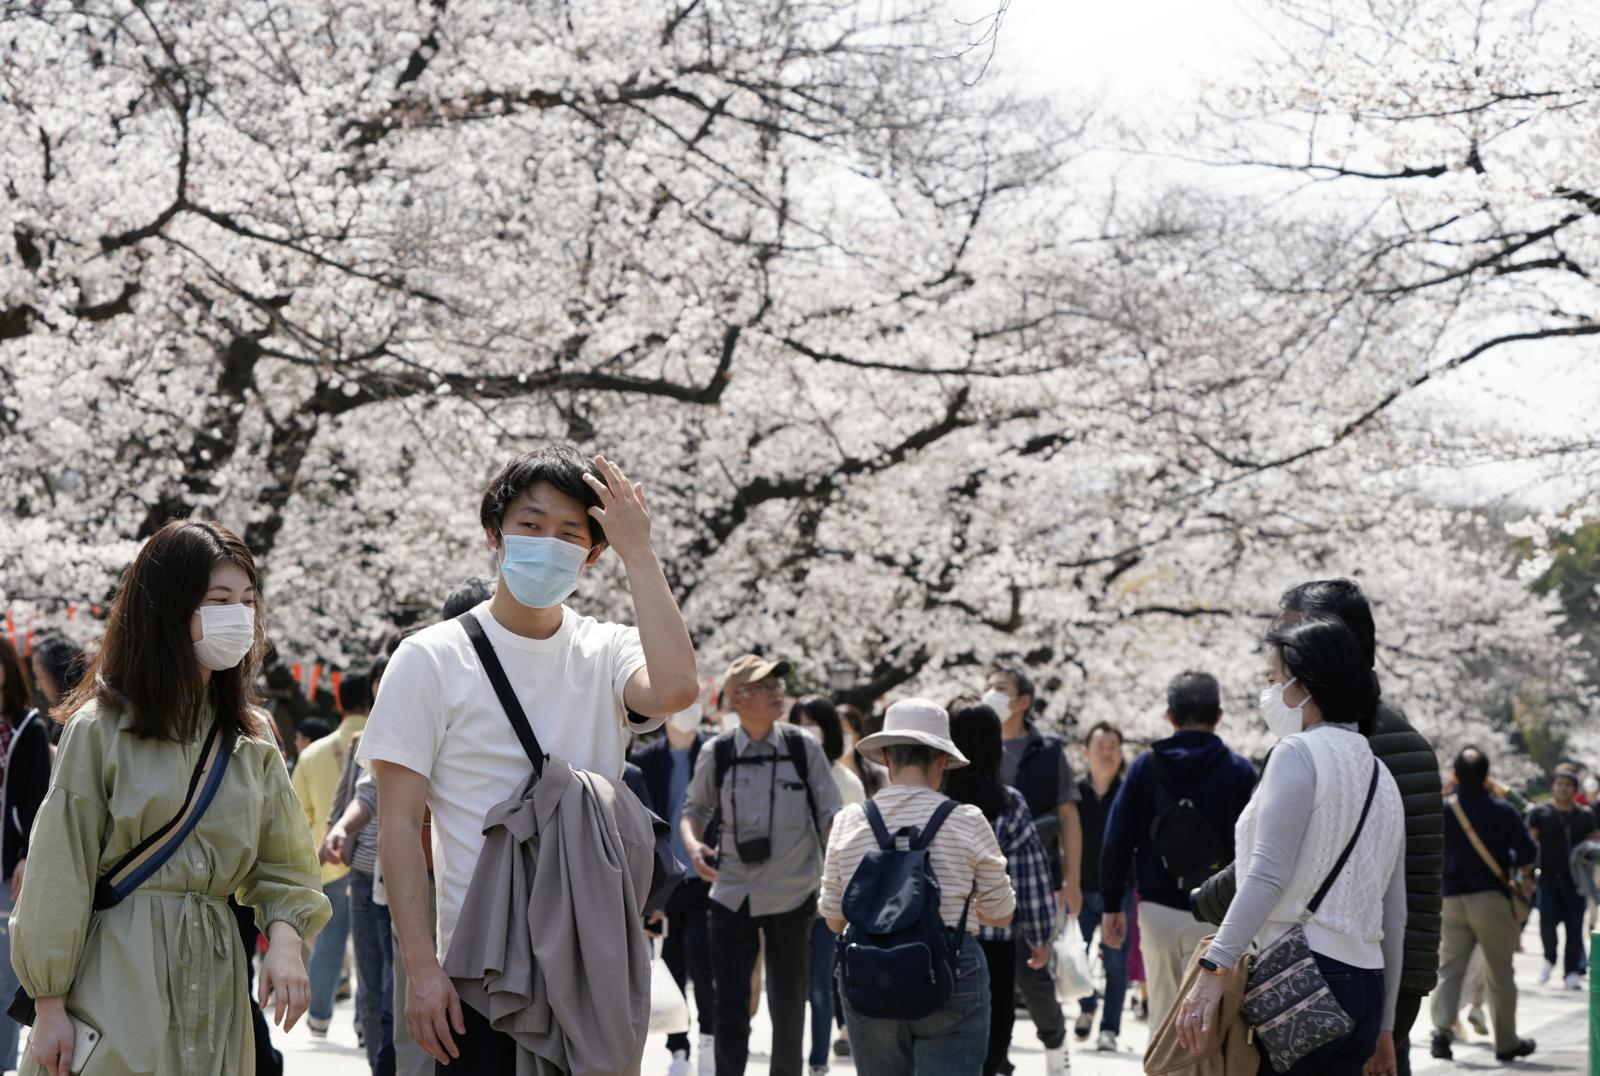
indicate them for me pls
(771, 685)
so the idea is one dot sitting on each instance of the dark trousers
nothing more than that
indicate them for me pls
(1406, 1009)
(823, 950)
(369, 928)
(269, 1061)
(735, 943)
(1038, 988)
(1560, 904)
(687, 953)
(1359, 992)
(1114, 960)
(1002, 958)
(483, 1049)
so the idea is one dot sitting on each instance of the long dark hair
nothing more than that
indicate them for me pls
(147, 664)
(15, 695)
(820, 711)
(1327, 659)
(975, 730)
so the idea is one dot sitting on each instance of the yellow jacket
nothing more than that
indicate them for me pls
(316, 782)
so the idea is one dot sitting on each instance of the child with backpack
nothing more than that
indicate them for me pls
(909, 877)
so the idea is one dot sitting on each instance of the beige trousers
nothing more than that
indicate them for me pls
(1167, 939)
(1483, 920)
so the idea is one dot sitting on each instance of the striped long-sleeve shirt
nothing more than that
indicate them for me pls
(965, 855)
(1030, 875)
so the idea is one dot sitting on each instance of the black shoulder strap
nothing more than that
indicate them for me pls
(1158, 781)
(795, 744)
(879, 830)
(1333, 875)
(931, 830)
(502, 688)
(722, 759)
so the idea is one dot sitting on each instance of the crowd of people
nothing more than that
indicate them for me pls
(495, 820)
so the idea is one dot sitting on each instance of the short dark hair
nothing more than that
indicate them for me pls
(15, 695)
(917, 756)
(853, 717)
(1472, 767)
(1194, 698)
(1326, 658)
(1019, 679)
(355, 695)
(1340, 598)
(1567, 770)
(820, 710)
(561, 465)
(313, 728)
(61, 658)
(1104, 726)
(470, 592)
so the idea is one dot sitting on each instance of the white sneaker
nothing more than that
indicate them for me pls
(1574, 981)
(708, 1055)
(680, 1063)
(819, 1070)
(1475, 1017)
(318, 1028)
(1107, 1043)
(1545, 973)
(1056, 1062)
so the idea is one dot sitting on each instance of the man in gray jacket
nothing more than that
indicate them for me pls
(1415, 766)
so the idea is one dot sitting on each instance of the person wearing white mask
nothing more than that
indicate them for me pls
(1320, 846)
(439, 737)
(667, 764)
(160, 976)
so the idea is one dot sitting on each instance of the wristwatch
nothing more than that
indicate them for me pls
(1210, 967)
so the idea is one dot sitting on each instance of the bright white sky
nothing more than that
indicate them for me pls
(1148, 59)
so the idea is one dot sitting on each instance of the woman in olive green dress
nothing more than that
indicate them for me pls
(162, 975)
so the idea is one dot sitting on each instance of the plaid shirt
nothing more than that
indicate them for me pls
(1030, 876)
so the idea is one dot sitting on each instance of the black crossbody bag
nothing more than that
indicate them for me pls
(1286, 999)
(139, 865)
(668, 870)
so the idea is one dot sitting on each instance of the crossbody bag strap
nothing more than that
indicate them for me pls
(502, 689)
(1333, 875)
(1479, 847)
(135, 868)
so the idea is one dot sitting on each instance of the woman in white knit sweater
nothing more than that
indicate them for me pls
(1320, 695)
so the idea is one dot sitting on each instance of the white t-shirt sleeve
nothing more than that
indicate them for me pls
(627, 658)
(406, 725)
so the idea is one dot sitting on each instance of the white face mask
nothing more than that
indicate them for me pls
(227, 632)
(686, 720)
(1282, 719)
(813, 731)
(998, 701)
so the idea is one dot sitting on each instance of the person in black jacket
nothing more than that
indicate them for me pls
(25, 751)
(1415, 766)
(666, 766)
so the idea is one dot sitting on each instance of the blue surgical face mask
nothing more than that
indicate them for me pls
(541, 572)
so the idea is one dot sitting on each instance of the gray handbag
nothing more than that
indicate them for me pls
(1286, 999)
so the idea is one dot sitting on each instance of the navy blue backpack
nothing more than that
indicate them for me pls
(896, 959)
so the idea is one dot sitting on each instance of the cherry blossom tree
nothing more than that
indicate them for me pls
(904, 387)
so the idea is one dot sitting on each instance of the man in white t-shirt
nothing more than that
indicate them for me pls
(438, 736)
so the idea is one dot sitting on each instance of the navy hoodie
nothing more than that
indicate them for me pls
(1200, 768)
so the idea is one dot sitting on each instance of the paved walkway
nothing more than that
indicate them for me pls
(1556, 1018)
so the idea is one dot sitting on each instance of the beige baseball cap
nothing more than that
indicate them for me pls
(747, 670)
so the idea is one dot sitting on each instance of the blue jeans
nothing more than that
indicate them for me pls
(951, 1041)
(369, 926)
(327, 958)
(10, 1033)
(1115, 960)
(1359, 992)
(823, 947)
(1560, 904)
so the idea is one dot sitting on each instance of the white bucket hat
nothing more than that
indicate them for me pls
(913, 721)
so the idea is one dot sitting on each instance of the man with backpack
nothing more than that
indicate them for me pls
(441, 737)
(1172, 825)
(755, 819)
(909, 878)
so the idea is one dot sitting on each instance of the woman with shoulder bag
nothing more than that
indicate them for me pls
(1321, 892)
(133, 962)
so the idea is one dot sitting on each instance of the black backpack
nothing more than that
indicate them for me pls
(723, 759)
(896, 959)
(1188, 845)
